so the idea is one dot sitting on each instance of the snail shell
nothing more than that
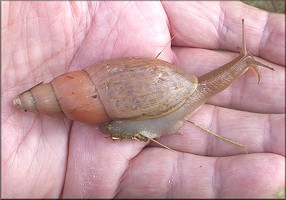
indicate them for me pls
(134, 98)
(117, 89)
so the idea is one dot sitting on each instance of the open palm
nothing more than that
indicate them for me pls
(47, 157)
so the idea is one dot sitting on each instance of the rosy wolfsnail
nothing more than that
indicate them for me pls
(136, 97)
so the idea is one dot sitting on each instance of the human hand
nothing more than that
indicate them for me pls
(45, 157)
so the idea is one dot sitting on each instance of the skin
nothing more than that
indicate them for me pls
(45, 157)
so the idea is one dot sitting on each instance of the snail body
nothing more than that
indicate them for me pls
(134, 98)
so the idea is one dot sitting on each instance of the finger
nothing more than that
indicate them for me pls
(96, 163)
(244, 94)
(272, 45)
(214, 25)
(159, 173)
(261, 133)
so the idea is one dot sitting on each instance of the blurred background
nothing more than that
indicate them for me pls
(277, 6)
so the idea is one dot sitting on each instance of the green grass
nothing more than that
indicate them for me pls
(280, 194)
(277, 6)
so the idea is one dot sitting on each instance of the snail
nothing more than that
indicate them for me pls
(136, 97)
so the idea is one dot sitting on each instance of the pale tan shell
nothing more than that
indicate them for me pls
(140, 88)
